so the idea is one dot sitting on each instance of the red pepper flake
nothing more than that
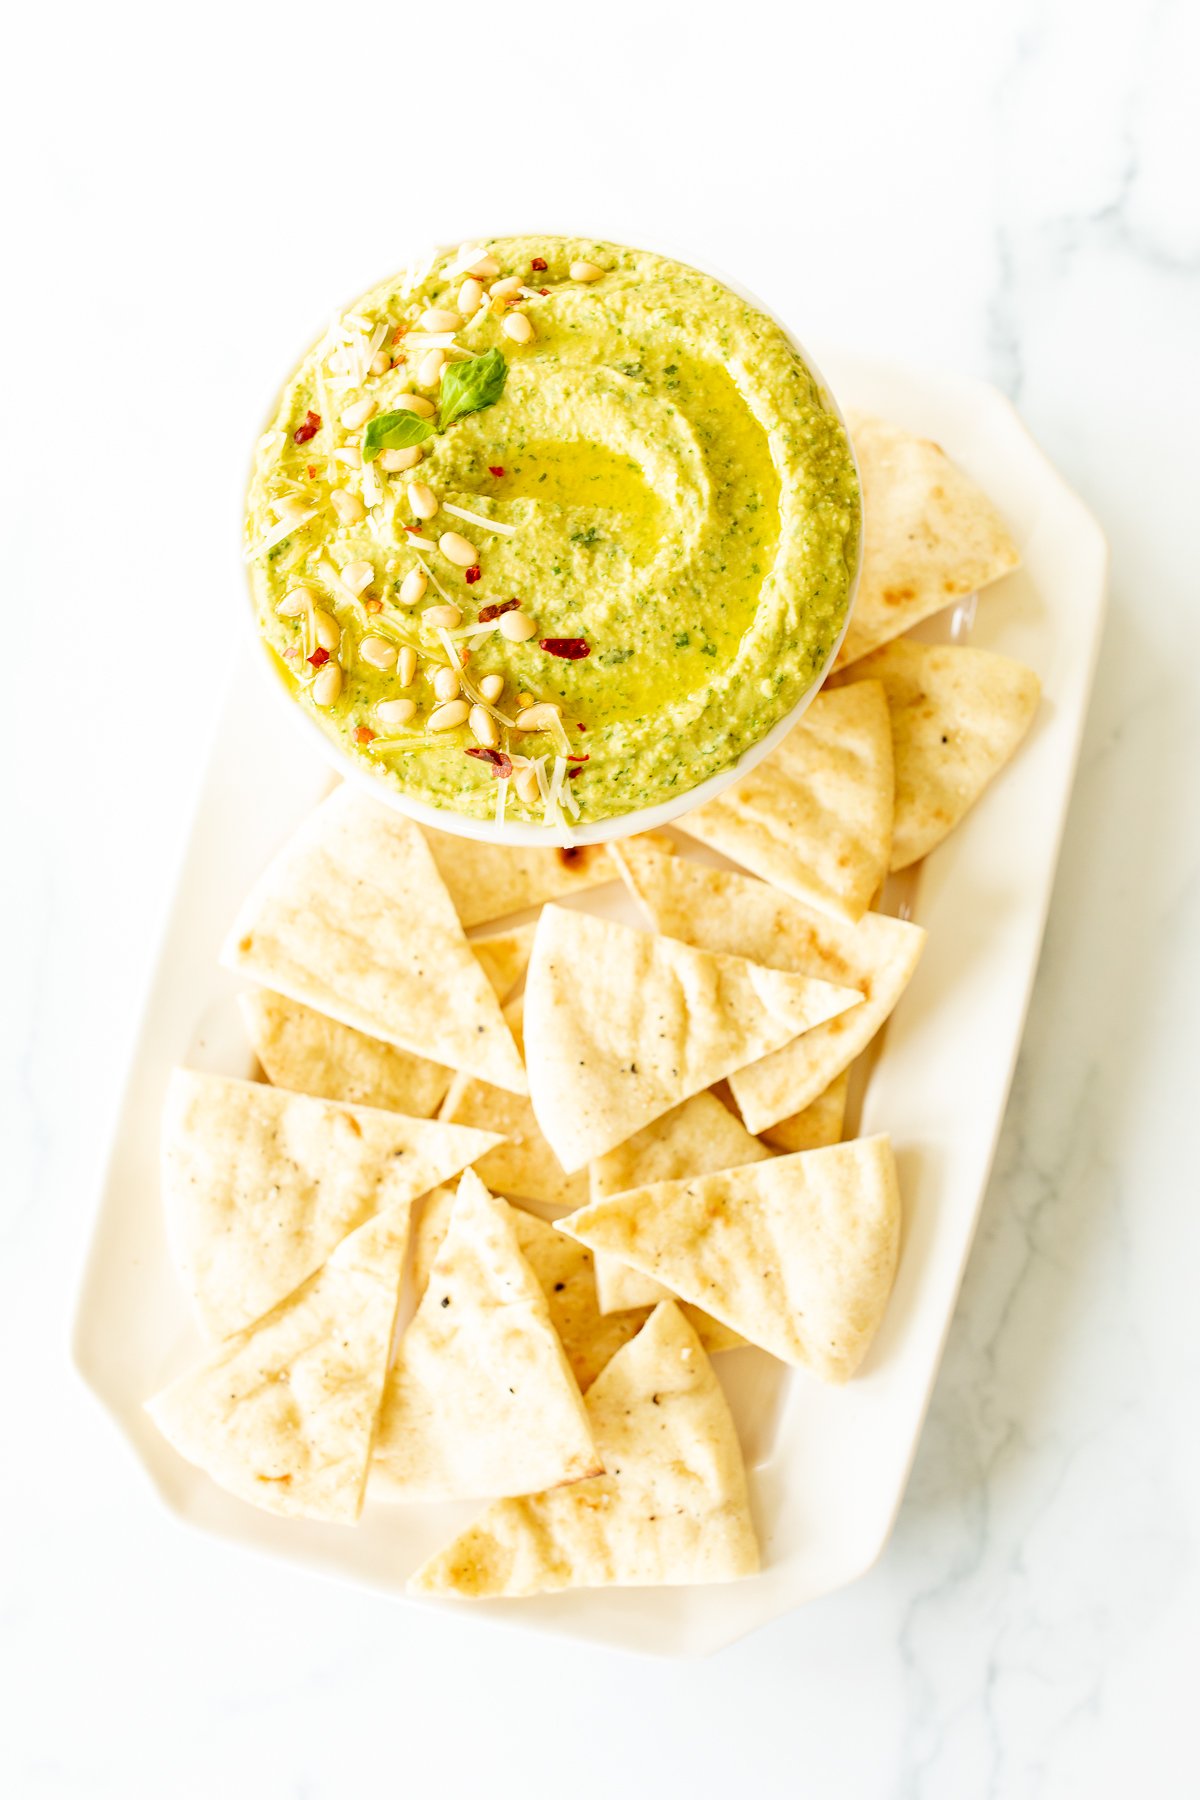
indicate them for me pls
(581, 726)
(543, 290)
(572, 773)
(372, 605)
(319, 657)
(539, 263)
(488, 613)
(571, 649)
(312, 471)
(363, 734)
(471, 575)
(399, 332)
(415, 529)
(579, 759)
(496, 470)
(309, 429)
(500, 765)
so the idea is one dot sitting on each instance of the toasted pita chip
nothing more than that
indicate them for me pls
(304, 1050)
(504, 957)
(481, 1401)
(621, 1025)
(283, 1413)
(815, 817)
(523, 1166)
(352, 918)
(797, 1254)
(489, 881)
(821, 1122)
(673, 1509)
(260, 1184)
(931, 535)
(718, 910)
(692, 1139)
(564, 1273)
(957, 716)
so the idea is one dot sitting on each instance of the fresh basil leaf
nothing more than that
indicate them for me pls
(395, 431)
(469, 386)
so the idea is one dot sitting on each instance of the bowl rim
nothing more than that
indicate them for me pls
(516, 833)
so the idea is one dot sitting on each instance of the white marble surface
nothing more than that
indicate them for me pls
(1008, 189)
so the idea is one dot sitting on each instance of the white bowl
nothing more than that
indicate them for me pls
(643, 818)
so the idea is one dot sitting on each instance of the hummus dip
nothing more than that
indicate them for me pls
(551, 527)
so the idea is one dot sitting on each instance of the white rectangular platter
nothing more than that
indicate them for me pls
(828, 1465)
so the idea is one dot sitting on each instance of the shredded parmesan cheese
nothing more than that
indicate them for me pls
(277, 534)
(502, 782)
(473, 518)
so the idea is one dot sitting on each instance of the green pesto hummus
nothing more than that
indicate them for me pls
(676, 512)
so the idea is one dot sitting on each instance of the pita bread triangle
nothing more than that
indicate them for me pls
(671, 1509)
(504, 957)
(489, 881)
(481, 1400)
(931, 535)
(957, 716)
(821, 1122)
(719, 910)
(621, 1025)
(692, 1139)
(283, 1413)
(815, 817)
(352, 918)
(564, 1272)
(302, 1049)
(260, 1185)
(797, 1254)
(522, 1166)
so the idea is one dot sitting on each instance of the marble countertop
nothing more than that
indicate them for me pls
(1007, 190)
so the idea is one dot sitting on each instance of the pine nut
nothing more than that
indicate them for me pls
(395, 712)
(422, 499)
(538, 718)
(449, 616)
(491, 687)
(417, 403)
(586, 271)
(470, 294)
(458, 550)
(483, 727)
(329, 632)
(440, 318)
(291, 509)
(519, 327)
(406, 665)
(445, 718)
(430, 371)
(294, 604)
(485, 268)
(526, 783)
(381, 362)
(446, 684)
(357, 414)
(504, 290)
(412, 588)
(380, 652)
(327, 685)
(357, 575)
(525, 699)
(394, 461)
(517, 627)
(348, 507)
